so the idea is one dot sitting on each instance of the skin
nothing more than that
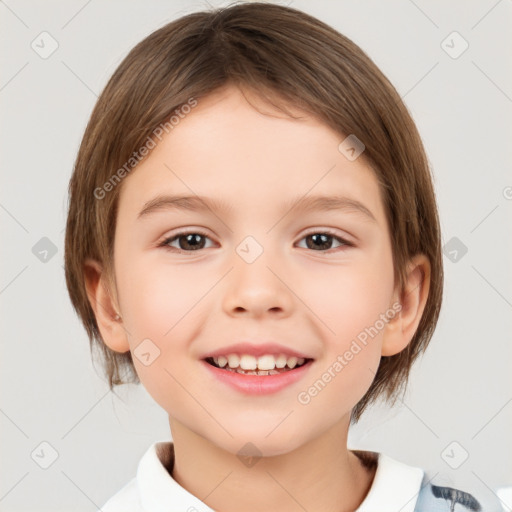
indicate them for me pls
(315, 300)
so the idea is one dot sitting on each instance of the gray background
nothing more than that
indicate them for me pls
(50, 390)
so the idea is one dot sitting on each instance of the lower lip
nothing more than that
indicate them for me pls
(259, 384)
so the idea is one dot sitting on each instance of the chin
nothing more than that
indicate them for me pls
(259, 443)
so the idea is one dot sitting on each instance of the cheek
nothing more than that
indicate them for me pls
(158, 299)
(352, 348)
(348, 298)
(349, 301)
(162, 306)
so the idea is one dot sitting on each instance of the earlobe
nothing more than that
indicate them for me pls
(413, 298)
(105, 310)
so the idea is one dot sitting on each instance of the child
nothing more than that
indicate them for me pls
(253, 234)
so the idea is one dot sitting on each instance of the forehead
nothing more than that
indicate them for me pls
(238, 149)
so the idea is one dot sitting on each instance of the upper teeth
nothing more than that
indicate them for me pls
(265, 362)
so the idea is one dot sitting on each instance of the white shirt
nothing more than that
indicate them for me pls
(395, 487)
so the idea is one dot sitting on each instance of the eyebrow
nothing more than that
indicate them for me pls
(303, 204)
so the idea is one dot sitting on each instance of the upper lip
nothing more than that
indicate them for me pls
(256, 350)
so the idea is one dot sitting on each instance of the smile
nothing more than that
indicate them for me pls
(267, 364)
(256, 378)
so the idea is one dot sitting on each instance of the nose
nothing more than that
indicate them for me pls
(257, 288)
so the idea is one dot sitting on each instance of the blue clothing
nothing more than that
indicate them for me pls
(440, 498)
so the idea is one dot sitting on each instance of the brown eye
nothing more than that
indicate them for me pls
(322, 241)
(187, 242)
(196, 240)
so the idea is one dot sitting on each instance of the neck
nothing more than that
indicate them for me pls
(321, 475)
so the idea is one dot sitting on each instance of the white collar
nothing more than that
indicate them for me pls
(395, 486)
(159, 492)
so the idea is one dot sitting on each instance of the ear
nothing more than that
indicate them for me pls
(106, 311)
(400, 330)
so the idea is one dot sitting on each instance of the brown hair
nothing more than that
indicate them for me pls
(284, 55)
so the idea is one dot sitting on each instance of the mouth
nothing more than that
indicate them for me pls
(265, 365)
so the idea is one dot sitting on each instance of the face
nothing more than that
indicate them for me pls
(255, 267)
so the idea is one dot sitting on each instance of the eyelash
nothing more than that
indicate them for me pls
(165, 243)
